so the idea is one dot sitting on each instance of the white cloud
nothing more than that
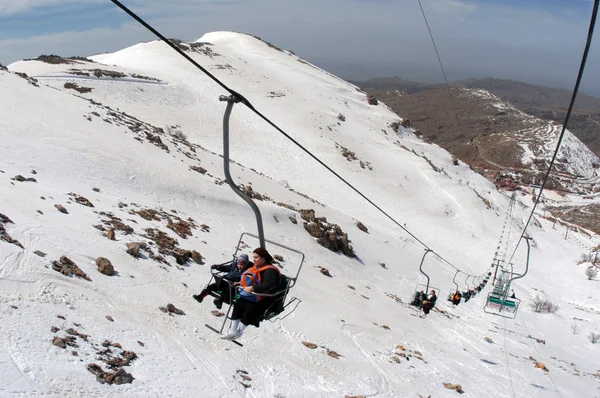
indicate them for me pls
(74, 43)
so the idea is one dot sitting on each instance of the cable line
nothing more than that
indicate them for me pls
(438, 56)
(244, 101)
(567, 117)
(437, 53)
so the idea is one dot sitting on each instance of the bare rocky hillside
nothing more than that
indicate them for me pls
(544, 102)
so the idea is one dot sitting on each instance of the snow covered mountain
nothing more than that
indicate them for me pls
(132, 141)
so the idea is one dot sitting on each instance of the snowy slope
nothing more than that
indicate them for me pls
(75, 145)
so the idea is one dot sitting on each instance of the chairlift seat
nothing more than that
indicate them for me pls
(498, 300)
(274, 303)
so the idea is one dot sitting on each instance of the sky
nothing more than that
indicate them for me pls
(540, 42)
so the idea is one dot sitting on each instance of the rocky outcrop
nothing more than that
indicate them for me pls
(198, 169)
(4, 235)
(362, 227)
(68, 268)
(171, 309)
(61, 208)
(248, 191)
(327, 234)
(455, 387)
(181, 227)
(182, 256)
(197, 257)
(105, 266)
(164, 242)
(133, 248)
(115, 222)
(20, 178)
(118, 377)
(81, 200)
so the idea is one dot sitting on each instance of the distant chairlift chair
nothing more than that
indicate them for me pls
(452, 295)
(498, 303)
(423, 287)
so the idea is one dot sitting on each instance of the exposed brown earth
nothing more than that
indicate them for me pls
(468, 126)
(586, 216)
(482, 132)
(543, 102)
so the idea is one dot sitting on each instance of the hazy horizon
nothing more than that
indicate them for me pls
(538, 42)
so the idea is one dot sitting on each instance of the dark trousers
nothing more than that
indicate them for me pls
(427, 306)
(224, 285)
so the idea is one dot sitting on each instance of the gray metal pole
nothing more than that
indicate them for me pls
(527, 239)
(495, 273)
(454, 281)
(231, 100)
(421, 269)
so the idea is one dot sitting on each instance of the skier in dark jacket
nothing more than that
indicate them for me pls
(225, 283)
(456, 298)
(429, 302)
(418, 299)
(468, 295)
(263, 277)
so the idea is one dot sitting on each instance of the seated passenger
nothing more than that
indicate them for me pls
(418, 299)
(225, 283)
(249, 309)
(456, 298)
(429, 302)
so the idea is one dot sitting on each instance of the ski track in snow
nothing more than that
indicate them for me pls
(384, 377)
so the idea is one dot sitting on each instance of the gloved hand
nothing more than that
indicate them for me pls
(214, 266)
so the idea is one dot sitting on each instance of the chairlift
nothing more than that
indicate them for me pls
(469, 293)
(423, 288)
(498, 302)
(454, 295)
(479, 283)
(473, 288)
(276, 302)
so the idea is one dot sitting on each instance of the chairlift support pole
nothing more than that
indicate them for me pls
(427, 251)
(474, 282)
(508, 284)
(454, 279)
(231, 100)
(496, 265)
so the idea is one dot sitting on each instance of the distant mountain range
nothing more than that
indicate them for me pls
(544, 102)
